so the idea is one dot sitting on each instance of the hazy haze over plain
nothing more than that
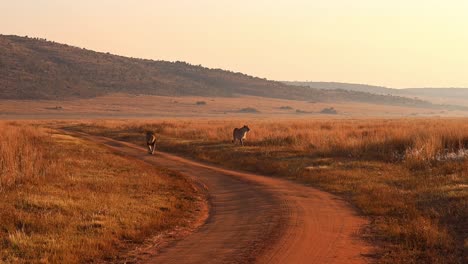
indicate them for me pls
(393, 43)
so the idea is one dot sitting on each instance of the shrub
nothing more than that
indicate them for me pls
(54, 108)
(248, 110)
(330, 111)
(299, 111)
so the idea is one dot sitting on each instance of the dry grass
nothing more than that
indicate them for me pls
(145, 106)
(65, 200)
(409, 175)
(24, 155)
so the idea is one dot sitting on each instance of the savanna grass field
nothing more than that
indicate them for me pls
(409, 176)
(67, 200)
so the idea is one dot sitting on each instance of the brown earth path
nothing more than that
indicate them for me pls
(258, 219)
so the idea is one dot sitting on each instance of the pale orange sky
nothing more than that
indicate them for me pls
(398, 43)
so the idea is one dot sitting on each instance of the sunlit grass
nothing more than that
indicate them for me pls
(66, 200)
(391, 170)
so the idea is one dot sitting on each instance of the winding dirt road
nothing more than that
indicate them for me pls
(258, 219)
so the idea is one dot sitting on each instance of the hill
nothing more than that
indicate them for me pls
(454, 96)
(345, 86)
(437, 92)
(33, 68)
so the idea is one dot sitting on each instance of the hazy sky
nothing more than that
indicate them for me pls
(398, 43)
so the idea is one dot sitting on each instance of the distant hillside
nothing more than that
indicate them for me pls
(437, 92)
(32, 68)
(345, 86)
(39, 69)
(455, 96)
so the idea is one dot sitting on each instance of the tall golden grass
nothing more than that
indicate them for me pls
(418, 142)
(409, 175)
(65, 200)
(24, 154)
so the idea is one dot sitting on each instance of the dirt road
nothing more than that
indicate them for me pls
(258, 219)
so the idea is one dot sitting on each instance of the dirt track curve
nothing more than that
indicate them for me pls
(258, 219)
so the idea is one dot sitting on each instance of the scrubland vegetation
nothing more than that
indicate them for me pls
(410, 176)
(65, 200)
(330, 110)
(249, 110)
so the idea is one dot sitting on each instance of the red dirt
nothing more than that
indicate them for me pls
(258, 219)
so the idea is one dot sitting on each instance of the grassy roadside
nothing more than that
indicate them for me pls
(66, 200)
(404, 174)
